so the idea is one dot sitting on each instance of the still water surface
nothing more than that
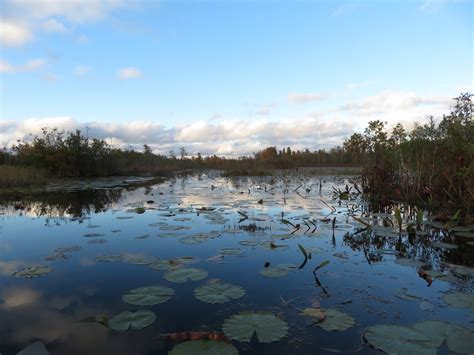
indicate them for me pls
(117, 238)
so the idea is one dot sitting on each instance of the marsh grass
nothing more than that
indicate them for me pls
(20, 176)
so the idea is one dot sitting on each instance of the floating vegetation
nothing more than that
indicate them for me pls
(318, 314)
(56, 256)
(218, 292)
(144, 236)
(132, 320)
(336, 320)
(93, 235)
(204, 347)
(148, 296)
(404, 294)
(109, 258)
(139, 259)
(422, 338)
(266, 326)
(460, 300)
(230, 251)
(97, 241)
(70, 249)
(185, 274)
(33, 271)
(279, 270)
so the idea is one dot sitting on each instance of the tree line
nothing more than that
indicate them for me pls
(430, 166)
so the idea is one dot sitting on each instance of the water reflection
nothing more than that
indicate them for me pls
(143, 229)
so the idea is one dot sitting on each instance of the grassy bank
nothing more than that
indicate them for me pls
(20, 176)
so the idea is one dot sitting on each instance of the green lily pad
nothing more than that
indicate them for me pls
(249, 243)
(139, 259)
(193, 239)
(148, 296)
(68, 249)
(162, 264)
(56, 256)
(265, 325)
(218, 292)
(460, 300)
(279, 270)
(170, 227)
(93, 235)
(204, 347)
(132, 320)
(33, 271)
(97, 241)
(318, 314)
(186, 274)
(109, 258)
(396, 339)
(336, 320)
(230, 251)
(404, 294)
(458, 339)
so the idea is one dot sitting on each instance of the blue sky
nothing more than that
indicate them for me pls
(172, 72)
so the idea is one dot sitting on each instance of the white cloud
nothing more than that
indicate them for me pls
(81, 70)
(323, 129)
(14, 34)
(21, 18)
(304, 98)
(53, 25)
(31, 65)
(129, 73)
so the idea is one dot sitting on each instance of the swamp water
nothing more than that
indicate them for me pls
(210, 265)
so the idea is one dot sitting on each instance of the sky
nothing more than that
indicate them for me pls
(229, 77)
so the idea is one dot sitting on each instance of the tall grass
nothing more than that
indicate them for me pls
(20, 176)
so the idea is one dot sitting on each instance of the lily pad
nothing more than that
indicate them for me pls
(132, 320)
(56, 256)
(218, 292)
(318, 314)
(230, 251)
(404, 294)
(193, 239)
(148, 296)
(250, 243)
(68, 249)
(109, 258)
(396, 339)
(93, 235)
(265, 325)
(279, 270)
(97, 241)
(336, 320)
(186, 274)
(139, 259)
(460, 300)
(458, 339)
(33, 271)
(204, 347)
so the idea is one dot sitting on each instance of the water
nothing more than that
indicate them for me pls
(105, 218)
